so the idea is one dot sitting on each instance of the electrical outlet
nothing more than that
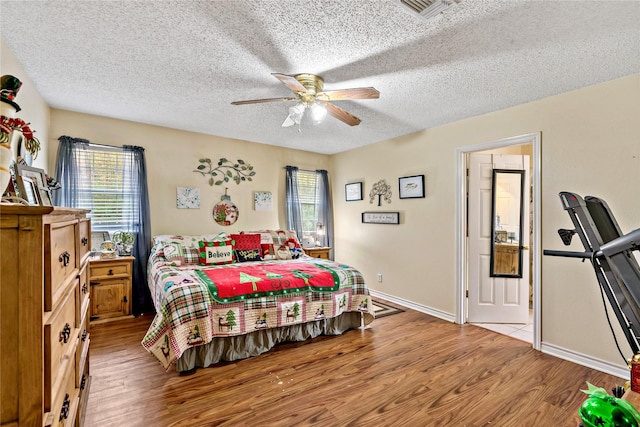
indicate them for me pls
(379, 277)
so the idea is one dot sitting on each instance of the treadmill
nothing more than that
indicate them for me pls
(611, 255)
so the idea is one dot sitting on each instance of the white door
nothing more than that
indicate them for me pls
(494, 299)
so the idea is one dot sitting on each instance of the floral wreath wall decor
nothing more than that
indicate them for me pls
(225, 171)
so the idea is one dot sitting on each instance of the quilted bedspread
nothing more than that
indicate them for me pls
(195, 304)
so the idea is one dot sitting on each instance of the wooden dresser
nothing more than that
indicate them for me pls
(44, 306)
(318, 252)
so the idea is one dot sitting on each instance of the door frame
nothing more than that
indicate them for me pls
(461, 224)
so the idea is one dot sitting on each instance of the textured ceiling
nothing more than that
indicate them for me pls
(180, 64)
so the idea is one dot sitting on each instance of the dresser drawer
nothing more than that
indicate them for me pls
(84, 238)
(111, 269)
(85, 385)
(82, 304)
(60, 341)
(65, 403)
(82, 351)
(61, 260)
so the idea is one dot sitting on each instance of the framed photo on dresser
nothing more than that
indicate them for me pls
(31, 183)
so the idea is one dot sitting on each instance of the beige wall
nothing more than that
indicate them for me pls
(590, 146)
(34, 109)
(172, 156)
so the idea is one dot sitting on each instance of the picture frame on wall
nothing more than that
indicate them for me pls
(411, 187)
(381, 217)
(263, 201)
(353, 191)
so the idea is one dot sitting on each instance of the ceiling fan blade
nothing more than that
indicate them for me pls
(346, 94)
(342, 115)
(290, 82)
(259, 101)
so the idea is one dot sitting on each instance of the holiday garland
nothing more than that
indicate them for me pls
(10, 124)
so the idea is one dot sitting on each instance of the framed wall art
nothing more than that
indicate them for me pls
(381, 217)
(263, 201)
(353, 191)
(187, 198)
(411, 187)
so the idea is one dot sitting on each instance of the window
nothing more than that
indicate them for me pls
(308, 204)
(112, 183)
(308, 195)
(106, 187)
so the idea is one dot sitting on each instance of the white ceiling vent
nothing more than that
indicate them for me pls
(428, 9)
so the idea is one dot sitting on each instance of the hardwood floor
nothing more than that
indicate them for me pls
(407, 369)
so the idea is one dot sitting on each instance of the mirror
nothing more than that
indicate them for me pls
(506, 229)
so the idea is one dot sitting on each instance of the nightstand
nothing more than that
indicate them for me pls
(110, 281)
(318, 252)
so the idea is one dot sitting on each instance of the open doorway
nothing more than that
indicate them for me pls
(525, 144)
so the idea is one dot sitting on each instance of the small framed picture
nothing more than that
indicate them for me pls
(411, 187)
(381, 217)
(29, 191)
(45, 196)
(187, 198)
(35, 173)
(353, 191)
(263, 201)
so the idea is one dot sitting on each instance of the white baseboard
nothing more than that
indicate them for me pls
(414, 306)
(550, 349)
(584, 360)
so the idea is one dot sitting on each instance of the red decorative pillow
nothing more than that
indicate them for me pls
(247, 242)
(216, 253)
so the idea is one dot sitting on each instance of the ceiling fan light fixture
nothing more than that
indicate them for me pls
(295, 115)
(318, 113)
(308, 89)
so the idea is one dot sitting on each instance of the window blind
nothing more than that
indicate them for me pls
(308, 195)
(106, 187)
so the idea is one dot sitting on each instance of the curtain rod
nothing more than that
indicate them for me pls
(305, 170)
(105, 145)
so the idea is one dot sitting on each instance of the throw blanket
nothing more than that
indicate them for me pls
(187, 315)
(242, 281)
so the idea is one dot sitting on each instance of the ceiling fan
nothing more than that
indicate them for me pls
(310, 96)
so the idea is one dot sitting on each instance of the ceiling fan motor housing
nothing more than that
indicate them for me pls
(312, 83)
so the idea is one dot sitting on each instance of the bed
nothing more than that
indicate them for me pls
(229, 297)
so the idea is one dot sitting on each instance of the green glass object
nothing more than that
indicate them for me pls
(602, 410)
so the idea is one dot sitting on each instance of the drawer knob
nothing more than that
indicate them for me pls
(110, 273)
(84, 335)
(84, 241)
(85, 289)
(65, 333)
(64, 412)
(64, 258)
(83, 382)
